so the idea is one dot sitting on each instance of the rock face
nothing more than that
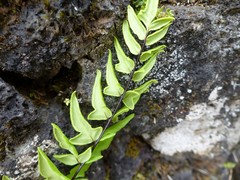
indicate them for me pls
(207, 71)
(16, 114)
(186, 127)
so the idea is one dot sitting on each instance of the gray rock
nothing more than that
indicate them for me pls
(191, 117)
(17, 124)
(41, 38)
(198, 88)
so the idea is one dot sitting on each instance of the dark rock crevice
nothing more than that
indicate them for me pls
(42, 90)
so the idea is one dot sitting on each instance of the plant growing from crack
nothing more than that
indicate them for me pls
(149, 25)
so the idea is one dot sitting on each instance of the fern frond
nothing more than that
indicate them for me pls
(145, 87)
(85, 156)
(87, 133)
(150, 25)
(147, 14)
(63, 140)
(118, 126)
(132, 96)
(160, 23)
(149, 53)
(101, 111)
(80, 174)
(47, 169)
(113, 88)
(143, 71)
(125, 65)
(124, 109)
(82, 139)
(157, 36)
(5, 178)
(67, 159)
(135, 24)
(133, 46)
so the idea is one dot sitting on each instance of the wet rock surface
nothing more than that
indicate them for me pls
(186, 127)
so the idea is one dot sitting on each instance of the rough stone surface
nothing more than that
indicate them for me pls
(186, 127)
(202, 130)
(38, 39)
(16, 115)
(18, 118)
